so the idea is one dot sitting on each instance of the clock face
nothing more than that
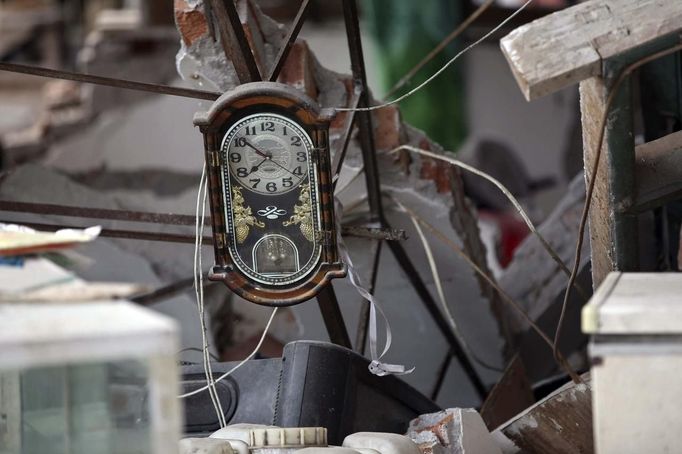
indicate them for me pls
(271, 199)
(268, 154)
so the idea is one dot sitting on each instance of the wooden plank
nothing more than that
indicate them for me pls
(611, 232)
(567, 47)
(561, 423)
(509, 397)
(592, 98)
(658, 172)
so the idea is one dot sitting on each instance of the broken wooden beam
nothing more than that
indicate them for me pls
(561, 423)
(593, 43)
(569, 46)
(658, 176)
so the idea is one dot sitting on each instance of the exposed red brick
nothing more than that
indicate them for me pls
(339, 122)
(298, 71)
(387, 127)
(191, 23)
(435, 170)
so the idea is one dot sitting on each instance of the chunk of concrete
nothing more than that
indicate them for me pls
(428, 443)
(204, 446)
(459, 431)
(385, 443)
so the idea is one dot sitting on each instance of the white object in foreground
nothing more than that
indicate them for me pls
(96, 378)
(205, 446)
(453, 431)
(636, 352)
(385, 443)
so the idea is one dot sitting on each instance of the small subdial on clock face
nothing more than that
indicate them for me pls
(267, 153)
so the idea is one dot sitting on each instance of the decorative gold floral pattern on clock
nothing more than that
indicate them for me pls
(243, 218)
(303, 214)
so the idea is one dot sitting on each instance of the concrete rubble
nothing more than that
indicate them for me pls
(67, 106)
(383, 443)
(149, 145)
(560, 423)
(452, 431)
(541, 292)
(148, 157)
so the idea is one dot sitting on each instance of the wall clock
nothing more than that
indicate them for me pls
(272, 206)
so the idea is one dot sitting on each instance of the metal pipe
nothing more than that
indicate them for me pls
(109, 81)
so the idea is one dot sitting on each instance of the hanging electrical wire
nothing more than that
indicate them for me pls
(563, 363)
(439, 289)
(241, 363)
(507, 193)
(440, 47)
(441, 70)
(199, 293)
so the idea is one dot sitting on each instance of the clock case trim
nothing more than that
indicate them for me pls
(231, 107)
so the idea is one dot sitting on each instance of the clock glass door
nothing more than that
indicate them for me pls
(270, 197)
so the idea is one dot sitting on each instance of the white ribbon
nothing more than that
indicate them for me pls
(376, 366)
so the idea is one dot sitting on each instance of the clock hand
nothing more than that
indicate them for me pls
(282, 167)
(268, 156)
(257, 166)
(258, 152)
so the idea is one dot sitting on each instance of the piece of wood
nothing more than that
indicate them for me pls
(613, 233)
(564, 48)
(510, 396)
(561, 423)
(658, 172)
(592, 98)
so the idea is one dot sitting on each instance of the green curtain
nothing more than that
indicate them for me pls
(404, 32)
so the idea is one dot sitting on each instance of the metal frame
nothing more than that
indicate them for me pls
(227, 25)
(365, 134)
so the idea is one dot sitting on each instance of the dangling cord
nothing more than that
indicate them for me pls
(376, 366)
(244, 361)
(439, 289)
(199, 291)
(505, 297)
(441, 70)
(507, 193)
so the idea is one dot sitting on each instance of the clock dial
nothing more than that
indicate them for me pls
(271, 195)
(267, 154)
(272, 213)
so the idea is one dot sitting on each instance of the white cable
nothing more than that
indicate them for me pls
(199, 292)
(437, 73)
(201, 289)
(376, 366)
(228, 373)
(500, 186)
